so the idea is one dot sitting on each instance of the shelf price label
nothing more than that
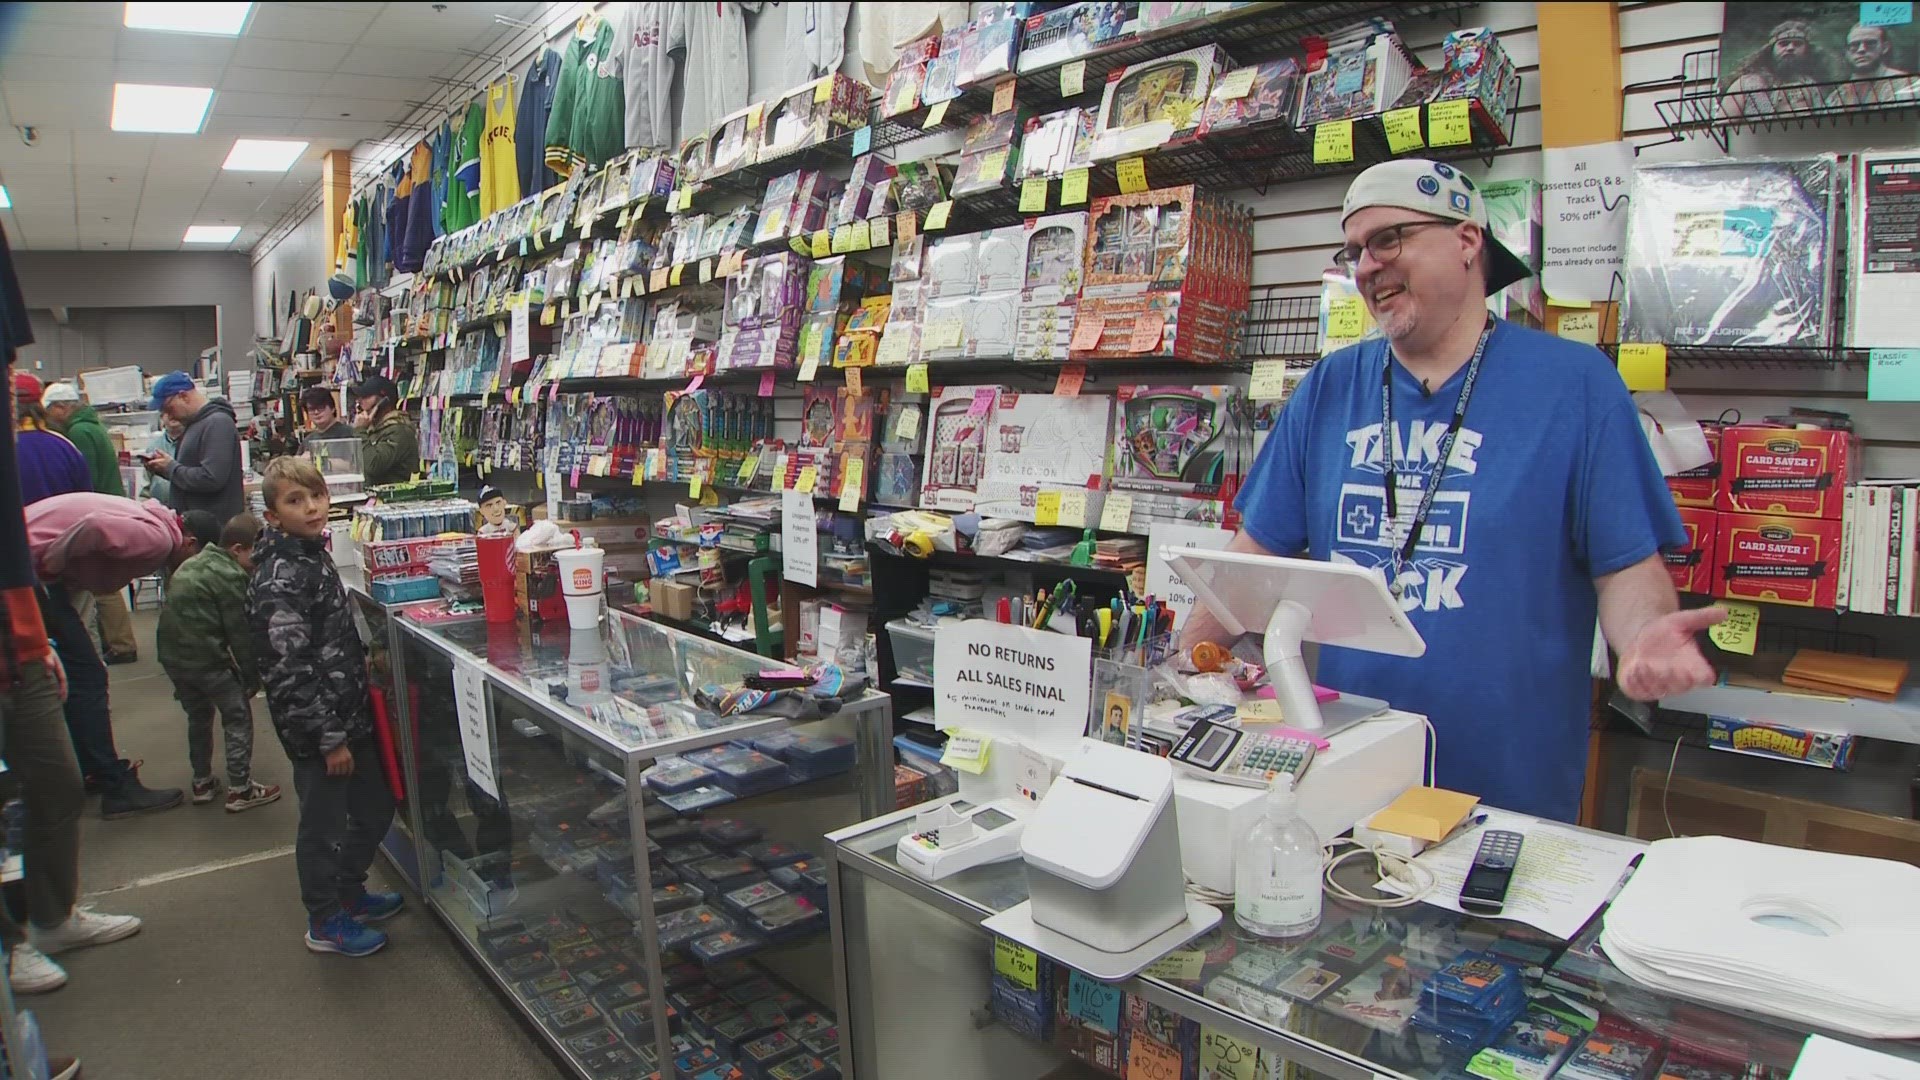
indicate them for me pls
(822, 244)
(1226, 1058)
(879, 231)
(1346, 318)
(1643, 366)
(1073, 79)
(1086, 333)
(657, 280)
(1116, 514)
(1741, 628)
(853, 381)
(917, 382)
(1071, 377)
(1033, 195)
(1016, 963)
(766, 384)
(863, 141)
(1073, 508)
(1003, 97)
(706, 271)
(1583, 326)
(1132, 174)
(905, 222)
(808, 368)
(852, 481)
(806, 480)
(1236, 84)
(1073, 188)
(861, 238)
(1046, 508)
(1403, 129)
(1892, 374)
(1269, 382)
(673, 277)
(937, 217)
(934, 116)
(1333, 142)
(842, 240)
(1886, 14)
(1450, 123)
(1095, 1002)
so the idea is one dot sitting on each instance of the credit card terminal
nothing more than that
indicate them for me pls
(1484, 892)
(959, 836)
(1234, 755)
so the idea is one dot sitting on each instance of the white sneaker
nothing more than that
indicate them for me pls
(31, 972)
(83, 928)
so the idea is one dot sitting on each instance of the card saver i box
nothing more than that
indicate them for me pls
(1700, 486)
(1786, 560)
(1693, 565)
(1777, 470)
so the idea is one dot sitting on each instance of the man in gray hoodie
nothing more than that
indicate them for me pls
(206, 475)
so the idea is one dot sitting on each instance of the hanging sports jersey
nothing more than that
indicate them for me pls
(499, 171)
(463, 189)
(588, 122)
(530, 127)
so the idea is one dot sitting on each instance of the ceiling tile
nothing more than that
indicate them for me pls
(382, 111)
(385, 89)
(118, 148)
(272, 81)
(248, 127)
(52, 105)
(70, 71)
(74, 42)
(167, 73)
(278, 106)
(179, 50)
(289, 55)
(92, 13)
(344, 25)
(52, 146)
(391, 60)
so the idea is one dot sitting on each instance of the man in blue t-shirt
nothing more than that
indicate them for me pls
(1550, 510)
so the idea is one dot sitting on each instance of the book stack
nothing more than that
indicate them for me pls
(1878, 553)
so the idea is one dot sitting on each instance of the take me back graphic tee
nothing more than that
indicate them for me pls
(1550, 484)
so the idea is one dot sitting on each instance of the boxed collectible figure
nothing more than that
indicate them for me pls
(815, 112)
(1156, 103)
(1692, 566)
(1271, 93)
(1041, 441)
(956, 445)
(1057, 36)
(1172, 447)
(1788, 560)
(1786, 470)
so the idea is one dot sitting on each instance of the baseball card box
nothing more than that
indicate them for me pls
(1786, 560)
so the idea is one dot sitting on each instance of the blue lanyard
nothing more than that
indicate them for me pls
(1405, 551)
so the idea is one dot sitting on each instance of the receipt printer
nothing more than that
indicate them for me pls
(1103, 850)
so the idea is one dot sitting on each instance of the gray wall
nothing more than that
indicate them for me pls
(158, 339)
(148, 279)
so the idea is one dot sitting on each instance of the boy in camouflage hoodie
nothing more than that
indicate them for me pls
(206, 648)
(315, 671)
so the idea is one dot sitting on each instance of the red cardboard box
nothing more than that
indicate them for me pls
(1693, 566)
(1803, 472)
(1788, 560)
(1701, 486)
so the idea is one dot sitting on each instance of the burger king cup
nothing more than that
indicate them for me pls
(582, 582)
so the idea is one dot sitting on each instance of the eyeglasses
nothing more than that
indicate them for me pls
(1384, 244)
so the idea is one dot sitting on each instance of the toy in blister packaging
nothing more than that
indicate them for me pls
(736, 140)
(698, 798)
(724, 944)
(1155, 103)
(1056, 143)
(1271, 93)
(956, 445)
(1732, 253)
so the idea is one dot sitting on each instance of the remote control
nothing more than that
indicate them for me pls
(1485, 890)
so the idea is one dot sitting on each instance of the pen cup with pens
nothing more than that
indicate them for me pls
(1122, 687)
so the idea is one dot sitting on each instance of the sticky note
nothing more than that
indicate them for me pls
(944, 334)
(1580, 326)
(967, 751)
(1073, 79)
(916, 383)
(1643, 366)
(693, 486)
(862, 141)
(1741, 629)
(1132, 174)
(1183, 965)
(1886, 14)
(907, 428)
(880, 231)
(766, 384)
(1073, 508)
(1116, 514)
(1073, 188)
(1403, 129)
(554, 234)
(706, 271)
(1003, 97)
(1016, 963)
(852, 482)
(1033, 195)
(1095, 1002)
(822, 244)
(804, 483)
(1333, 142)
(800, 246)
(548, 314)
(823, 91)
(626, 216)
(937, 217)
(853, 380)
(658, 279)
(842, 240)
(1346, 318)
(1071, 377)
(1269, 381)
(1224, 1057)
(1450, 123)
(1148, 328)
(905, 221)
(1086, 333)
(861, 238)
(748, 466)
(1235, 84)
(674, 275)
(808, 368)
(1046, 508)
(934, 116)
(1893, 375)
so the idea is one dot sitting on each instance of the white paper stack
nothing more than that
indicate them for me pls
(1827, 940)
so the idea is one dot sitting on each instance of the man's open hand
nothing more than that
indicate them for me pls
(1665, 659)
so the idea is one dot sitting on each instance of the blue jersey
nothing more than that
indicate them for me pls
(1549, 485)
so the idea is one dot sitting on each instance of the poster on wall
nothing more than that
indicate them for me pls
(1805, 58)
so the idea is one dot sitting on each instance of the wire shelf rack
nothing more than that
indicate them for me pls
(1703, 107)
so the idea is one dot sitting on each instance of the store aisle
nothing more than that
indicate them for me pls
(217, 983)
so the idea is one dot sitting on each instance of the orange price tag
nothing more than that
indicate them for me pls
(1086, 333)
(1071, 376)
(853, 380)
(1148, 328)
(1003, 97)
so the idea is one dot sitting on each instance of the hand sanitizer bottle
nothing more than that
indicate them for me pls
(1277, 869)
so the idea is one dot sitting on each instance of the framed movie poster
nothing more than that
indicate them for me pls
(1803, 58)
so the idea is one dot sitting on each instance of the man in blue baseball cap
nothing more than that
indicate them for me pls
(1497, 478)
(206, 474)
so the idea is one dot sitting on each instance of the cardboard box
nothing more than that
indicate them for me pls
(675, 599)
(1693, 566)
(1803, 472)
(1701, 486)
(1787, 560)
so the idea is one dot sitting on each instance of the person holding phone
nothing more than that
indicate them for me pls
(390, 443)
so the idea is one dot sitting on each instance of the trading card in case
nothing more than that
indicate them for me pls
(507, 943)
(1615, 1051)
(592, 1041)
(725, 944)
(787, 915)
(526, 965)
(758, 988)
(613, 1062)
(1472, 979)
(1536, 1045)
(1270, 94)
(727, 832)
(702, 1020)
(542, 985)
(675, 896)
(731, 973)
(605, 973)
(751, 1023)
(806, 1066)
(697, 1059)
(682, 927)
(621, 994)
(746, 896)
(758, 1055)
(574, 1019)
(1156, 103)
(692, 851)
(807, 1025)
(699, 798)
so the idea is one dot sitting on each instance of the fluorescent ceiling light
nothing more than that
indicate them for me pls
(6, 200)
(171, 110)
(211, 234)
(264, 155)
(226, 19)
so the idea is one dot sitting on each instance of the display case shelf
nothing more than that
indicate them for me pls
(1701, 107)
(1759, 357)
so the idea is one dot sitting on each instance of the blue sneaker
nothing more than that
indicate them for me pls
(375, 907)
(346, 935)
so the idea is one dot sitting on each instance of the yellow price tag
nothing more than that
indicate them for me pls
(822, 244)
(905, 222)
(853, 381)
(1333, 142)
(852, 483)
(842, 241)
(945, 334)
(693, 486)
(882, 232)
(748, 466)
(1073, 189)
(937, 217)
(1346, 318)
(548, 314)
(1016, 963)
(1073, 79)
(1184, 965)
(967, 751)
(1269, 382)
(1223, 1057)
(1643, 366)
(1450, 123)
(639, 475)
(823, 90)
(809, 367)
(917, 382)
(673, 276)
(1033, 195)
(1073, 508)
(1403, 129)
(706, 271)
(626, 217)
(1116, 514)
(862, 238)
(808, 474)
(658, 279)
(1132, 173)
(1740, 631)
(934, 116)
(1046, 508)
(1580, 326)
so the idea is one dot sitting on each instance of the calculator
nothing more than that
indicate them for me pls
(1235, 755)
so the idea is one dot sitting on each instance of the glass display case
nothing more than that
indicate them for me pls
(1344, 1001)
(380, 633)
(634, 908)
